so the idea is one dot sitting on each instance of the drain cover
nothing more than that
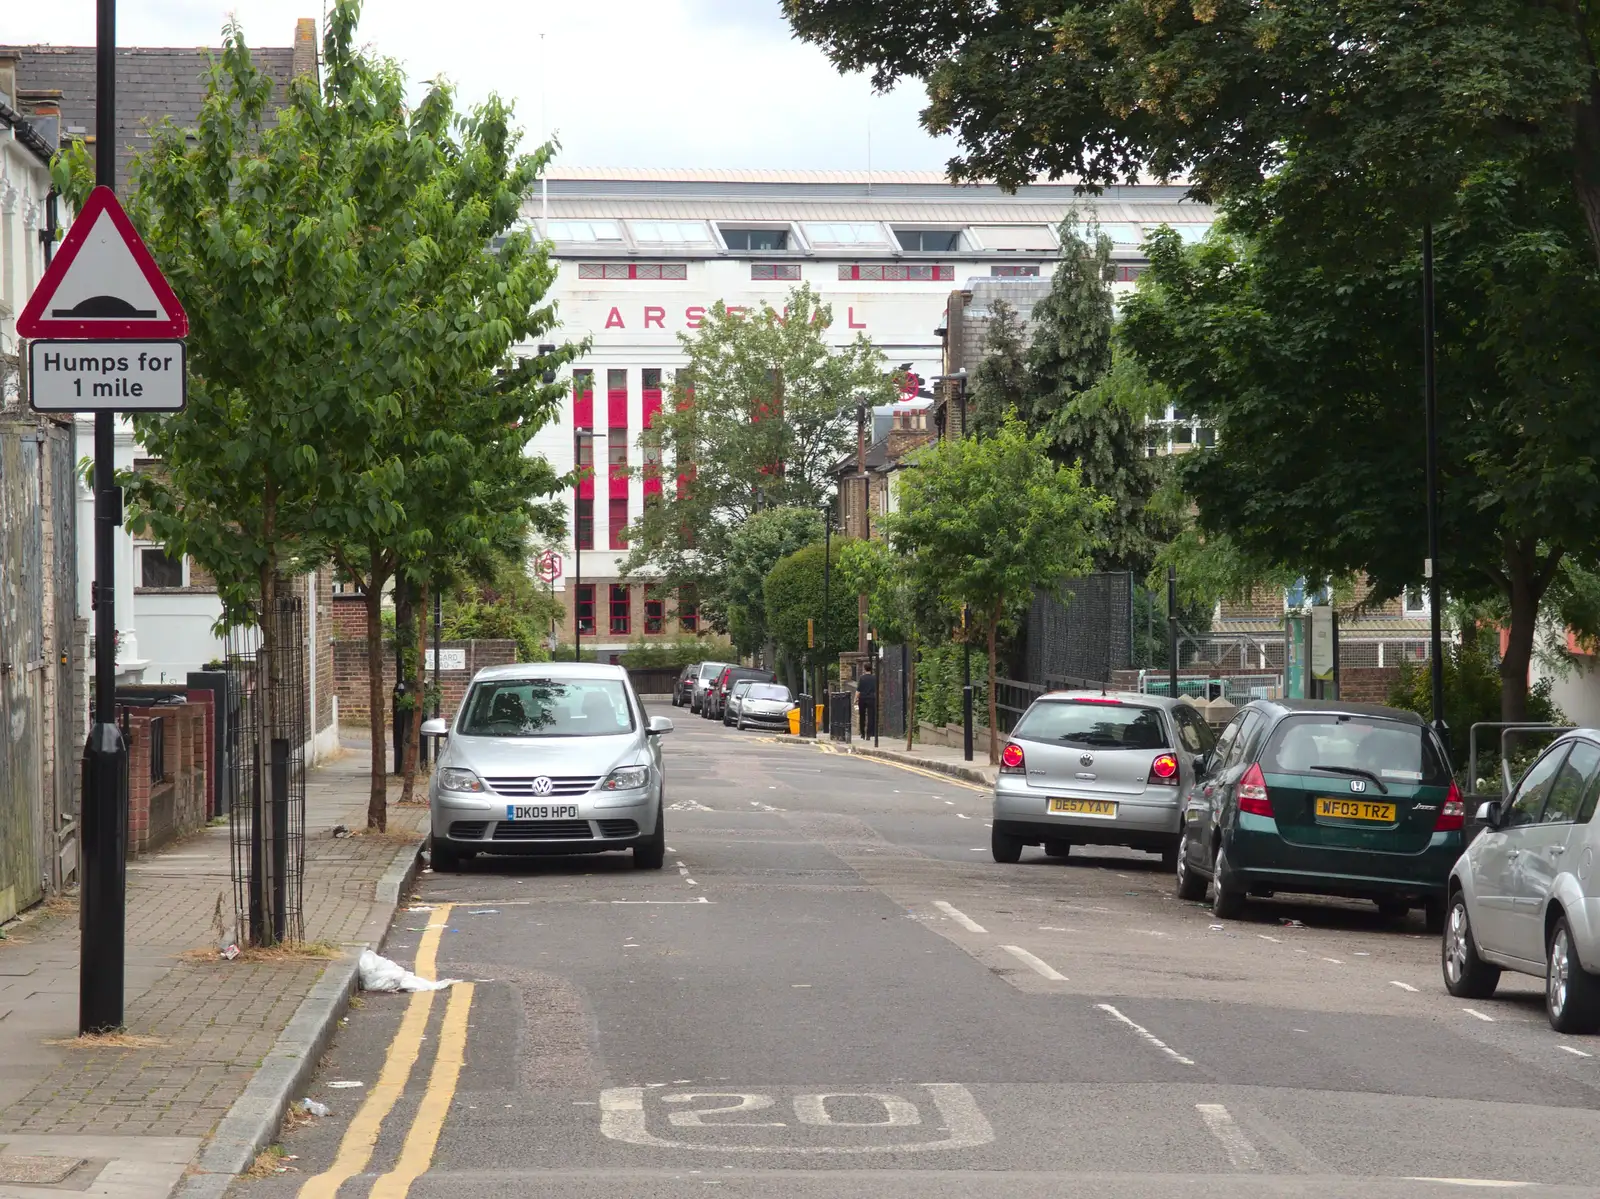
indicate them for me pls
(18, 1170)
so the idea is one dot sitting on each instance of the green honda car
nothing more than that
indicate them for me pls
(1323, 798)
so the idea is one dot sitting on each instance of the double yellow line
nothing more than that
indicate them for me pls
(361, 1137)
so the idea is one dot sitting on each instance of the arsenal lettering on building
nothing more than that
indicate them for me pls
(645, 255)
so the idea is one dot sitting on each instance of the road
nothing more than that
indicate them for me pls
(833, 991)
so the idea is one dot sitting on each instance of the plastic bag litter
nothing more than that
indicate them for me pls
(1288, 923)
(315, 1108)
(380, 974)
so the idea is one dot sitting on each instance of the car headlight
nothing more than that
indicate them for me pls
(454, 779)
(626, 778)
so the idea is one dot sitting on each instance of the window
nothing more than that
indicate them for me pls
(936, 241)
(688, 610)
(1084, 725)
(547, 708)
(620, 616)
(1121, 235)
(1567, 792)
(583, 452)
(619, 522)
(1015, 237)
(1194, 732)
(1013, 270)
(1191, 233)
(845, 233)
(633, 270)
(1207, 436)
(895, 272)
(617, 448)
(655, 610)
(616, 380)
(585, 525)
(650, 378)
(1244, 741)
(762, 272)
(681, 233)
(586, 608)
(1529, 800)
(1333, 746)
(583, 231)
(1415, 601)
(754, 239)
(157, 568)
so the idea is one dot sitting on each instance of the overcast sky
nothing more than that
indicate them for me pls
(650, 83)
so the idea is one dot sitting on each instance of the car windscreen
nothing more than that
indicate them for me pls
(710, 670)
(1333, 744)
(547, 708)
(1091, 725)
(768, 691)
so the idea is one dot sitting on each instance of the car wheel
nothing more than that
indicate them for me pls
(650, 854)
(1466, 975)
(739, 724)
(1227, 901)
(444, 858)
(1005, 847)
(1057, 849)
(1393, 909)
(1571, 993)
(1190, 885)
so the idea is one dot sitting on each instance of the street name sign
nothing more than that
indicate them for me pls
(102, 283)
(109, 376)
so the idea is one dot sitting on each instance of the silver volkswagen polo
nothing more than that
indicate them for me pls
(549, 758)
(1525, 896)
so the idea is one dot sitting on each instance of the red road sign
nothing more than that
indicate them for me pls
(548, 566)
(103, 284)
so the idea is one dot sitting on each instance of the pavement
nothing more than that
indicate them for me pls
(833, 991)
(212, 1047)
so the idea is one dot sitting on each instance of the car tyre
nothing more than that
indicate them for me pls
(1191, 886)
(444, 858)
(1227, 901)
(1005, 847)
(1057, 849)
(1571, 993)
(1466, 975)
(652, 853)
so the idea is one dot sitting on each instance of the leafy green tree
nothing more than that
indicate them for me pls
(1225, 91)
(762, 413)
(794, 592)
(506, 605)
(1303, 351)
(900, 605)
(753, 550)
(1071, 346)
(1000, 384)
(986, 522)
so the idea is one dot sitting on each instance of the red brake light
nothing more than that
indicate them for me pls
(1453, 813)
(1098, 699)
(1011, 758)
(1252, 792)
(1164, 770)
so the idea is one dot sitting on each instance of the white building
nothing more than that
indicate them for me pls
(645, 253)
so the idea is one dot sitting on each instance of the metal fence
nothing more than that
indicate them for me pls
(267, 778)
(1082, 628)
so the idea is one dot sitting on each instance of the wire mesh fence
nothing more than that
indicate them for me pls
(265, 765)
(1081, 629)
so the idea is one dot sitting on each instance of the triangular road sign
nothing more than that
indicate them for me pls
(102, 283)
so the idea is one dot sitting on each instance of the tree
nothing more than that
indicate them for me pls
(1304, 353)
(1225, 91)
(984, 523)
(794, 592)
(764, 410)
(899, 604)
(506, 604)
(753, 550)
(1000, 384)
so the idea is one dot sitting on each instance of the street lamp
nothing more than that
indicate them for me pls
(1430, 404)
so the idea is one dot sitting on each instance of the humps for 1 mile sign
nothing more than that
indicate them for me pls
(119, 376)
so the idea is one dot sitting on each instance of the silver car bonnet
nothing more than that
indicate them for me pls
(525, 757)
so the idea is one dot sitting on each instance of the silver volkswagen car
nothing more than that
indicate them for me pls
(1097, 768)
(549, 758)
(1525, 895)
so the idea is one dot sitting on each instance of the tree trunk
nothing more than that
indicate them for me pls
(419, 684)
(378, 795)
(994, 722)
(1527, 580)
(1586, 139)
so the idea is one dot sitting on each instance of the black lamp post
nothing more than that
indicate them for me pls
(578, 437)
(1430, 399)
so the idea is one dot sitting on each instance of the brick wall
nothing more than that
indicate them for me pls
(350, 675)
(349, 617)
(166, 799)
(1367, 684)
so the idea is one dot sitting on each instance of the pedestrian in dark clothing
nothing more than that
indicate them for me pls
(867, 700)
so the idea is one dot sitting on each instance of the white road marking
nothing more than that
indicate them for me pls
(1577, 1052)
(977, 849)
(1475, 1012)
(962, 816)
(1393, 982)
(1475, 1182)
(688, 805)
(1235, 1144)
(961, 918)
(951, 802)
(1038, 966)
(1335, 961)
(1274, 940)
(664, 902)
(1146, 1034)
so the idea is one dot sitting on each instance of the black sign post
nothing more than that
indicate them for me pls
(104, 880)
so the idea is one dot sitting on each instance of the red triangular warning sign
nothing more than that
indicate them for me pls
(102, 283)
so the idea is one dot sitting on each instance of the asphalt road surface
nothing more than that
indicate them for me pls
(833, 991)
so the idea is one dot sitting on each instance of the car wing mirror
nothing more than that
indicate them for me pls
(1201, 761)
(1488, 813)
(435, 727)
(657, 726)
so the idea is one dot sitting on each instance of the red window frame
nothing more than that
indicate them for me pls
(618, 515)
(655, 610)
(688, 610)
(585, 606)
(621, 609)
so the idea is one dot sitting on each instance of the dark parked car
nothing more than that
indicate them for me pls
(716, 702)
(683, 689)
(1324, 798)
